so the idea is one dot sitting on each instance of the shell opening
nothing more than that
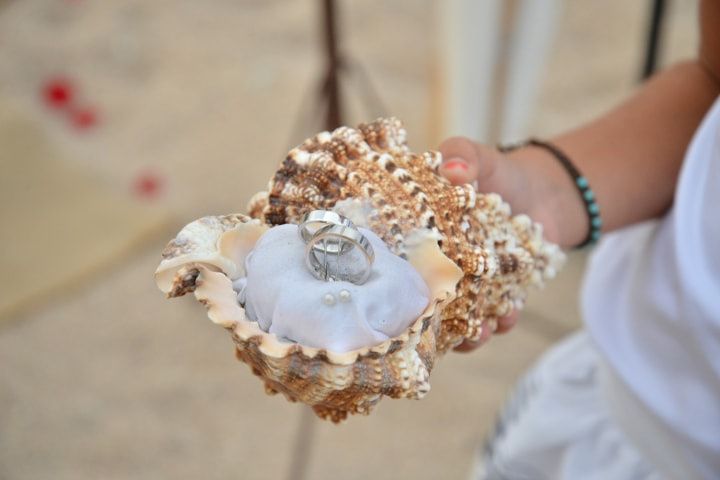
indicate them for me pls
(285, 299)
(222, 287)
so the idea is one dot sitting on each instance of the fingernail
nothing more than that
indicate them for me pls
(456, 163)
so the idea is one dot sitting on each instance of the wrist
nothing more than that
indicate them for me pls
(551, 197)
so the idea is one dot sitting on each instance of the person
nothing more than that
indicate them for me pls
(635, 394)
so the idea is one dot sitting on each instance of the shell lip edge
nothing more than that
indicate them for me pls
(214, 290)
(272, 346)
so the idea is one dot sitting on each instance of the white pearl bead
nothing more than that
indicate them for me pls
(344, 296)
(328, 299)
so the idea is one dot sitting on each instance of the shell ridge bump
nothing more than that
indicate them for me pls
(479, 257)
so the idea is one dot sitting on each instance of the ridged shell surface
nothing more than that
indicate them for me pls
(500, 255)
(477, 259)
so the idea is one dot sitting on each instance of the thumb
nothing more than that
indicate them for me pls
(465, 161)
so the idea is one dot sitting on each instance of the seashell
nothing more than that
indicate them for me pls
(476, 259)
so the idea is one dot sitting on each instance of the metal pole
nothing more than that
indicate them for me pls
(305, 436)
(302, 448)
(653, 38)
(333, 117)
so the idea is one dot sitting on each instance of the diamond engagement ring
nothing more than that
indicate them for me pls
(339, 252)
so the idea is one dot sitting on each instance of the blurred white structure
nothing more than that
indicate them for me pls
(472, 41)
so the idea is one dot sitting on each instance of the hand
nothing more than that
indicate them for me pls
(504, 325)
(528, 179)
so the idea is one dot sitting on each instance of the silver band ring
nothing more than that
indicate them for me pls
(354, 261)
(314, 221)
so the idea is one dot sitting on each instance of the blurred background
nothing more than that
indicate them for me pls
(122, 120)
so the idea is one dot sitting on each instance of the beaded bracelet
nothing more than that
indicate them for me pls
(581, 183)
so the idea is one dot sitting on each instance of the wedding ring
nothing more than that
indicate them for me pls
(339, 253)
(312, 222)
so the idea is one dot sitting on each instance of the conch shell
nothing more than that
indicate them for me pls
(476, 258)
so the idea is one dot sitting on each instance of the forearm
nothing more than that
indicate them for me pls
(631, 156)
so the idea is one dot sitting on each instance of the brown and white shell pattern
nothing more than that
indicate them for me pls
(209, 253)
(476, 259)
(500, 255)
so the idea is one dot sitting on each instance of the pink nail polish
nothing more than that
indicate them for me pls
(455, 164)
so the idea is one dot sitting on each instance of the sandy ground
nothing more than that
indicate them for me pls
(110, 380)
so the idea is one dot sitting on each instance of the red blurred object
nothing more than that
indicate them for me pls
(84, 118)
(147, 185)
(57, 93)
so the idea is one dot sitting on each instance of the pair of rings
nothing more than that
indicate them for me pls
(335, 248)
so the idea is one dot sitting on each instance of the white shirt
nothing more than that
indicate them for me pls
(651, 301)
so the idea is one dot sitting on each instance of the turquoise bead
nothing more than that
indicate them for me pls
(596, 222)
(595, 235)
(593, 208)
(589, 195)
(582, 182)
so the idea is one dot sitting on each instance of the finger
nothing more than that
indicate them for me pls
(460, 164)
(466, 161)
(467, 346)
(457, 170)
(507, 323)
(470, 345)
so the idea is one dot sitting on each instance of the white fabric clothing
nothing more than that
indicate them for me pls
(651, 302)
(557, 424)
(639, 424)
(281, 294)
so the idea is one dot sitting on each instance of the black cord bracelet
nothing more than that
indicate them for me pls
(581, 183)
